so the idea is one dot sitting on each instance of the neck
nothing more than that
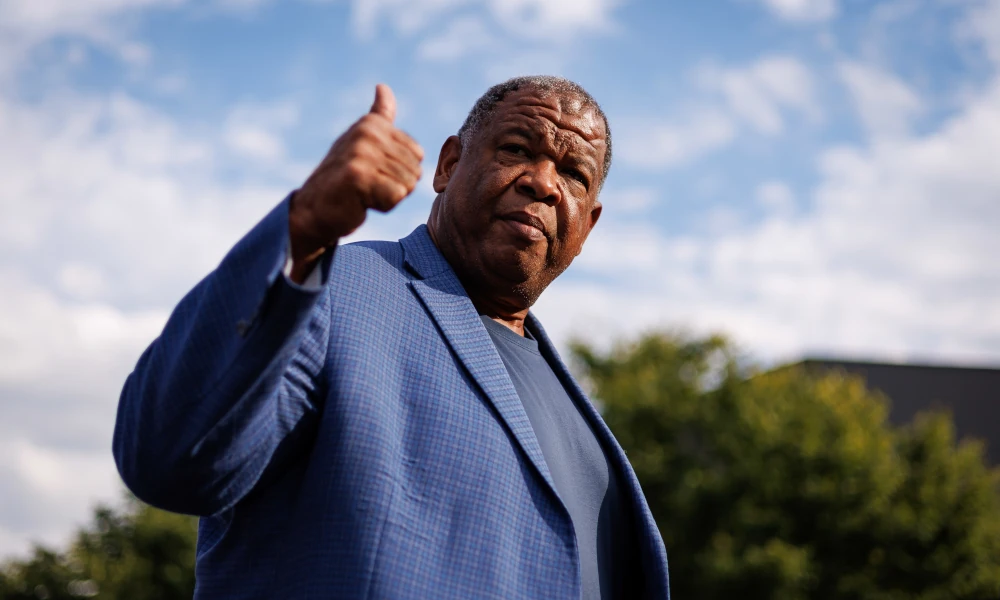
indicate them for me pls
(505, 315)
(498, 307)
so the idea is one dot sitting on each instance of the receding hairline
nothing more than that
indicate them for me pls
(485, 107)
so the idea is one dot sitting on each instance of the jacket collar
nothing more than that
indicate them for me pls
(422, 256)
(445, 299)
(448, 304)
(654, 556)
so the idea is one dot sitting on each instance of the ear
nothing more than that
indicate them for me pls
(595, 214)
(451, 151)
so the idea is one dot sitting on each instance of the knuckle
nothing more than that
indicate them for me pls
(364, 127)
(372, 124)
(354, 171)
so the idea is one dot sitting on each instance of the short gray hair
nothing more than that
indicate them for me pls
(486, 106)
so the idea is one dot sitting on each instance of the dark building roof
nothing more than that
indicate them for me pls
(972, 395)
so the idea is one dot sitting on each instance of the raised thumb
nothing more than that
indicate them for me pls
(385, 102)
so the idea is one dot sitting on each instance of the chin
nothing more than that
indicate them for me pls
(517, 264)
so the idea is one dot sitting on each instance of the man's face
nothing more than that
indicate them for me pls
(518, 203)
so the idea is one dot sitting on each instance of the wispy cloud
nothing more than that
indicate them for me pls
(110, 210)
(655, 143)
(982, 23)
(461, 36)
(24, 24)
(891, 258)
(447, 30)
(756, 98)
(761, 93)
(885, 103)
(802, 10)
(256, 132)
(120, 193)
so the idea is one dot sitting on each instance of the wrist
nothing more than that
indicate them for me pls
(304, 237)
(305, 245)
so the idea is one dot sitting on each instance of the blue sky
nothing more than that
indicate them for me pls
(808, 176)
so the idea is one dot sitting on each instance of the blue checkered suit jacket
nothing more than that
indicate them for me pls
(360, 441)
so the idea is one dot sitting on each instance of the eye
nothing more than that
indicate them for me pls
(577, 175)
(517, 149)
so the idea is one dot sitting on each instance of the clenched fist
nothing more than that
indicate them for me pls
(372, 165)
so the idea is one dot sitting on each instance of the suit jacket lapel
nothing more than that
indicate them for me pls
(442, 294)
(648, 531)
(448, 304)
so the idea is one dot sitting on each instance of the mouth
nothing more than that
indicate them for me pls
(525, 225)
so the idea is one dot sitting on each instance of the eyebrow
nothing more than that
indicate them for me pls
(576, 159)
(583, 163)
(519, 130)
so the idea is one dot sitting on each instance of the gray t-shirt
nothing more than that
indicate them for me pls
(585, 480)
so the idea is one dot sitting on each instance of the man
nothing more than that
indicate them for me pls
(388, 420)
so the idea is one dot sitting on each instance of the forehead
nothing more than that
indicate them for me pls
(562, 117)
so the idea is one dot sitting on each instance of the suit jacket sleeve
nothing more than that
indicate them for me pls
(229, 389)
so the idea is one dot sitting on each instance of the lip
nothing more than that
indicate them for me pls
(526, 225)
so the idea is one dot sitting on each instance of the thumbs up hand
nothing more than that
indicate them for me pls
(372, 165)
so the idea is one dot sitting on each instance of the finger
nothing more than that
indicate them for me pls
(386, 193)
(386, 135)
(401, 137)
(399, 172)
(403, 158)
(385, 102)
(382, 145)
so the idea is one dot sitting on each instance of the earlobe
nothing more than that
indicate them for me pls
(595, 214)
(451, 152)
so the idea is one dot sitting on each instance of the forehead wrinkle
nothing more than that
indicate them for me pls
(563, 137)
(559, 116)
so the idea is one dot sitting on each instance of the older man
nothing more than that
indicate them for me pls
(387, 419)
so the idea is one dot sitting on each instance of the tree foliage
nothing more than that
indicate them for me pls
(787, 485)
(779, 485)
(133, 553)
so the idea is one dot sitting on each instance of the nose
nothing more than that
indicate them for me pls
(540, 181)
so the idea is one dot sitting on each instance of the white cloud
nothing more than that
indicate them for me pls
(886, 104)
(109, 212)
(757, 96)
(982, 23)
(631, 200)
(802, 10)
(462, 35)
(61, 366)
(256, 131)
(47, 491)
(118, 183)
(449, 28)
(49, 18)
(26, 23)
(660, 143)
(895, 258)
(775, 197)
(545, 18)
(81, 281)
(406, 16)
(254, 142)
(759, 93)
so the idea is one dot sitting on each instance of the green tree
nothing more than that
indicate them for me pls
(134, 553)
(777, 485)
(783, 485)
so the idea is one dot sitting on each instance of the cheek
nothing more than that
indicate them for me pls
(575, 221)
(496, 178)
(491, 185)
